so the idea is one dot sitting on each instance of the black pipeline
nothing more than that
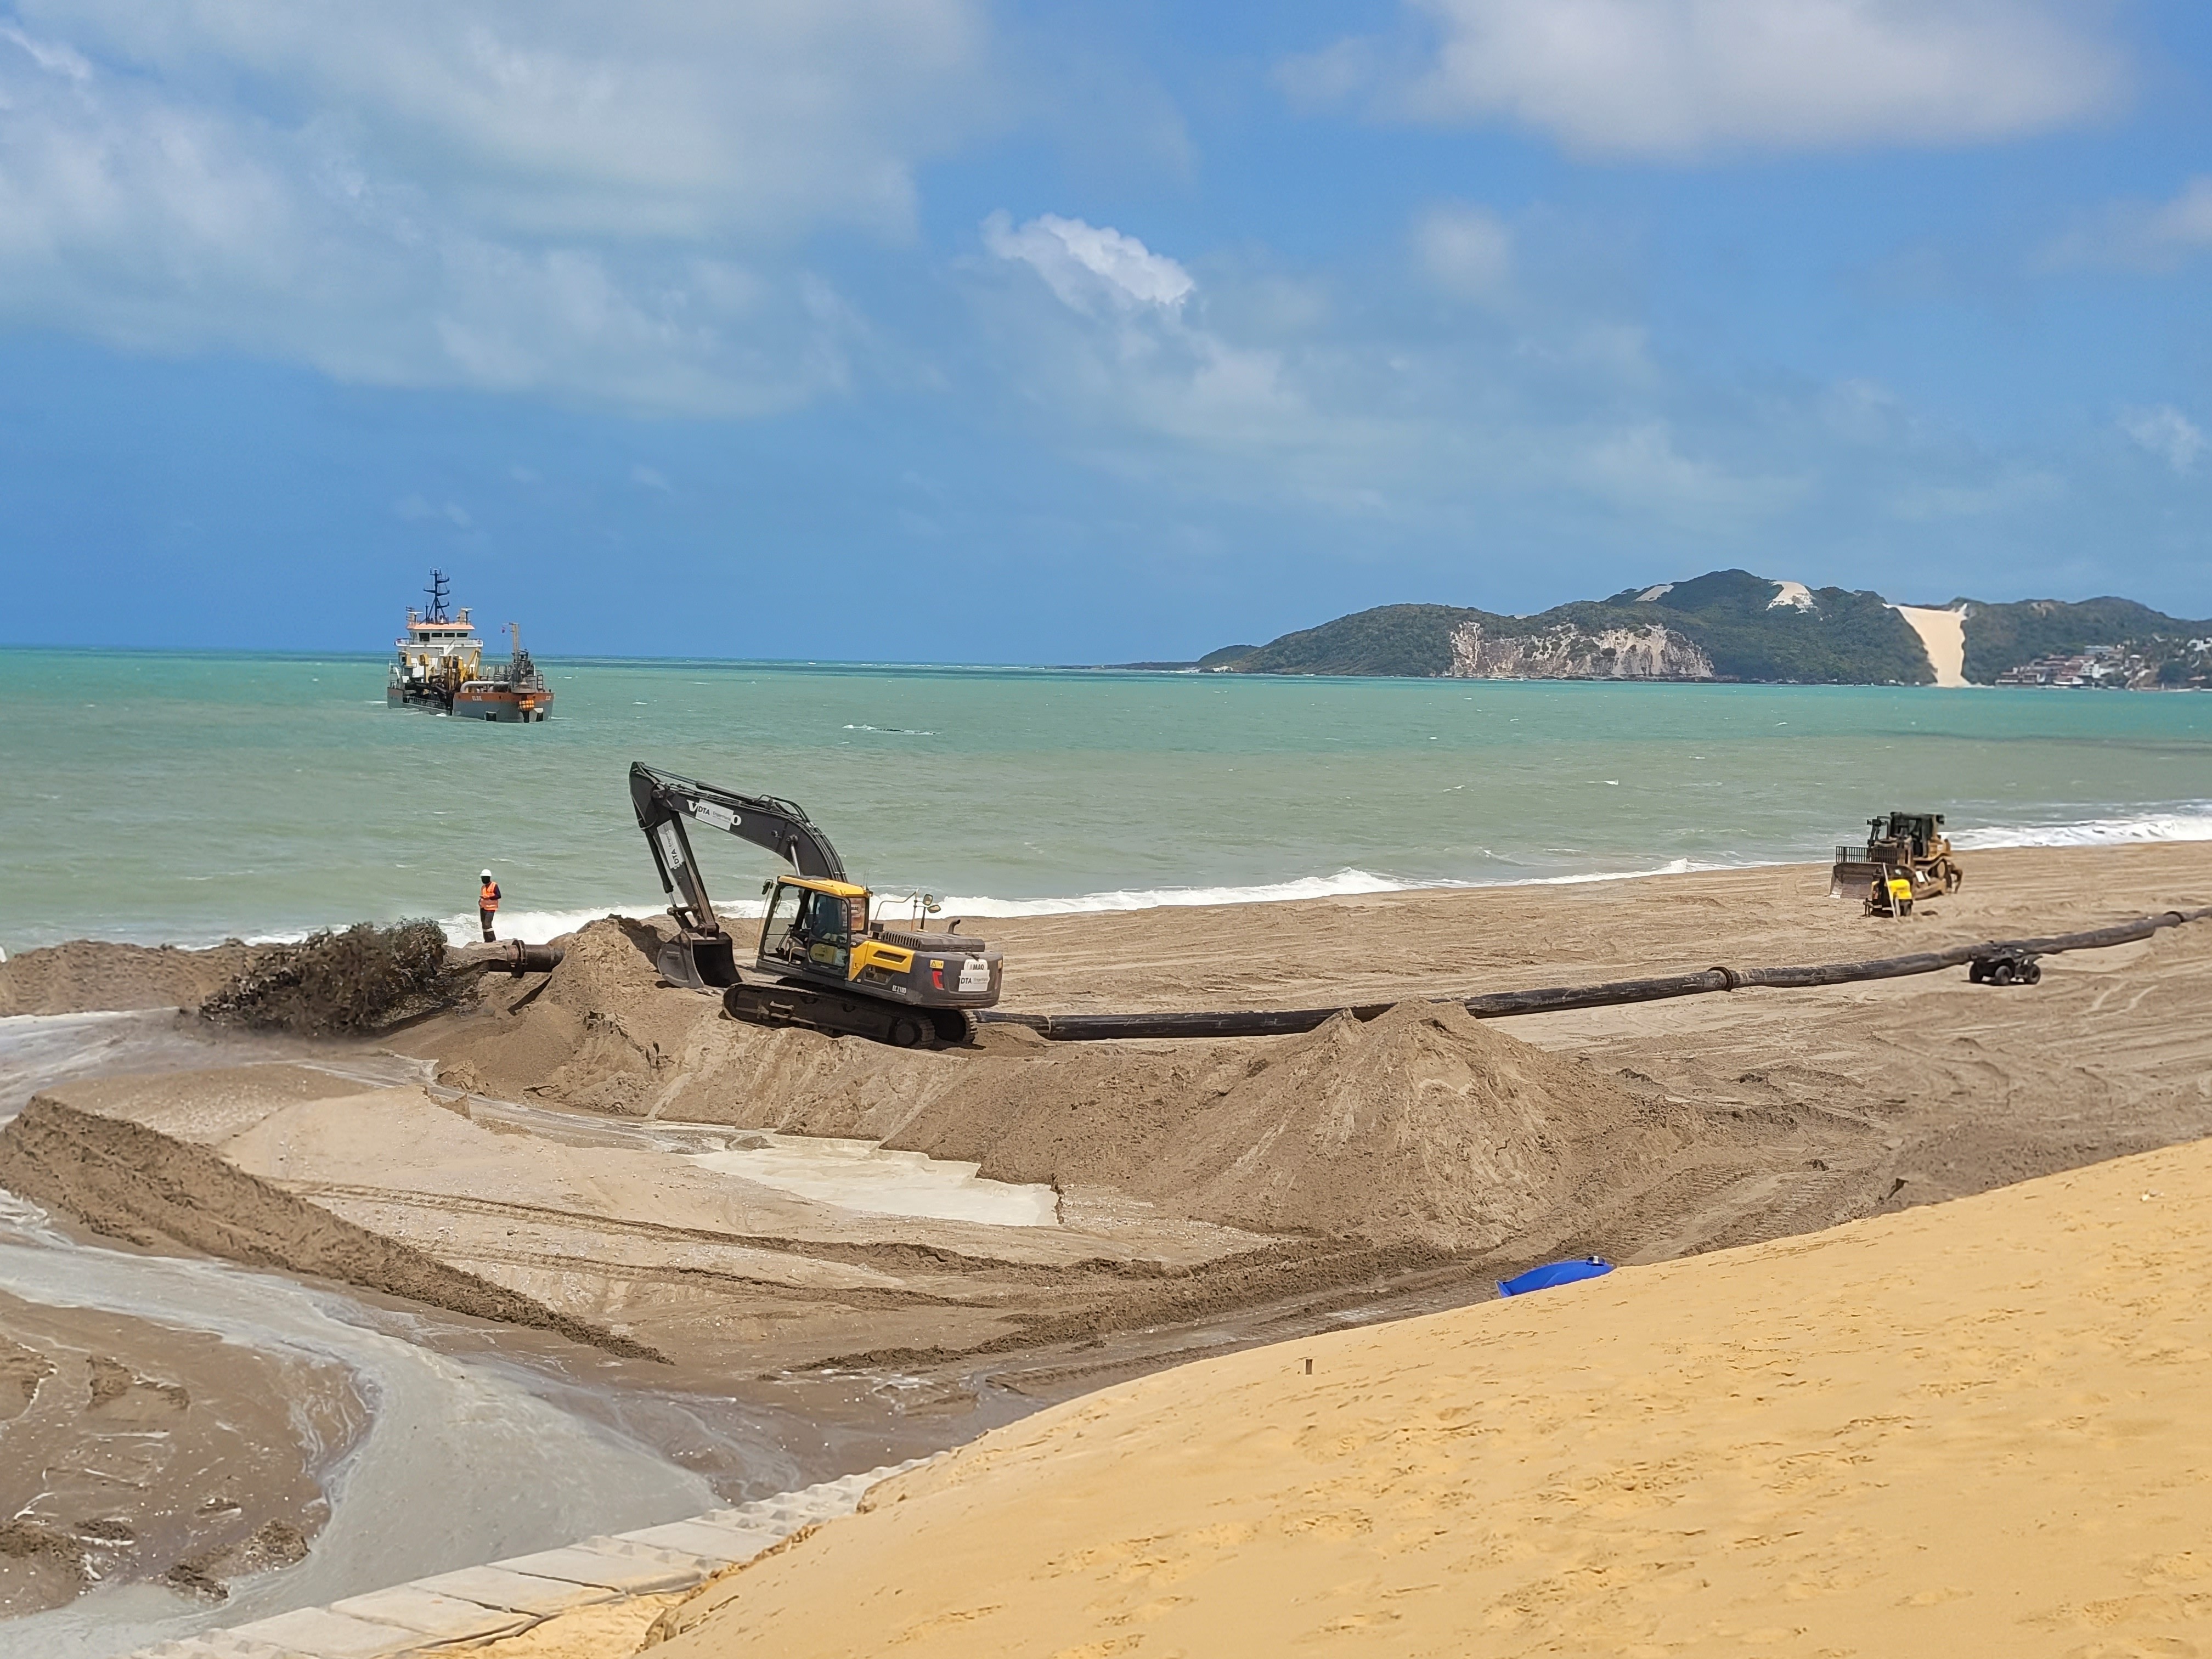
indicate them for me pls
(1283, 1022)
(506, 956)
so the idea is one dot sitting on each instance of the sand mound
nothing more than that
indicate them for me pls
(1973, 1428)
(600, 1031)
(87, 975)
(1424, 1127)
(1425, 1124)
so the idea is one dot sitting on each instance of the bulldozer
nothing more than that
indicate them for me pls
(1906, 858)
(824, 964)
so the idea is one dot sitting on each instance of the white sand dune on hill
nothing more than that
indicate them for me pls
(1944, 635)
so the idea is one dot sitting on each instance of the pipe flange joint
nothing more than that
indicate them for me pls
(1730, 980)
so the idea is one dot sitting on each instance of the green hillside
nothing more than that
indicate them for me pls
(1728, 615)
(2000, 637)
(1413, 641)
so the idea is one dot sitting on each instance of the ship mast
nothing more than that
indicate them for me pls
(437, 590)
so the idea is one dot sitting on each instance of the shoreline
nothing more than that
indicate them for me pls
(2184, 824)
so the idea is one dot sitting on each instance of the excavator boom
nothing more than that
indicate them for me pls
(663, 800)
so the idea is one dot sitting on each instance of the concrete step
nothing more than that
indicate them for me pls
(504, 1598)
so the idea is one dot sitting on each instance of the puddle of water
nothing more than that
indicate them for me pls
(859, 1175)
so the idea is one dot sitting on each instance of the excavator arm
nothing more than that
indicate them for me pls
(663, 801)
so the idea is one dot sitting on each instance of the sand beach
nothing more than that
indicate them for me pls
(905, 1251)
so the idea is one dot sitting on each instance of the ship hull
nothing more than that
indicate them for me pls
(511, 706)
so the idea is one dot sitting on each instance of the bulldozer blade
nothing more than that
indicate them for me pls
(697, 965)
(1851, 879)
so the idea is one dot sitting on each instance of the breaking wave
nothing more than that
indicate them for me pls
(2192, 823)
(536, 926)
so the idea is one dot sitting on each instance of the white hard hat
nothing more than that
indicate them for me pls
(486, 876)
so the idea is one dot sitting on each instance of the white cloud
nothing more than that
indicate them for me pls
(1467, 251)
(1643, 467)
(1681, 78)
(649, 478)
(2186, 221)
(416, 509)
(560, 198)
(657, 118)
(1117, 352)
(2169, 434)
(1226, 393)
(1089, 266)
(2146, 235)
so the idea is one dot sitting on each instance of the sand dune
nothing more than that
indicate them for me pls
(1944, 634)
(1979, 1427)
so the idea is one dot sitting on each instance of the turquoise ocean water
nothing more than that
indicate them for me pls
(190, 797)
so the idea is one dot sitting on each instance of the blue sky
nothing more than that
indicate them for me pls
(854, 329)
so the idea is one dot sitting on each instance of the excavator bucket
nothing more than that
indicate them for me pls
(699, 964)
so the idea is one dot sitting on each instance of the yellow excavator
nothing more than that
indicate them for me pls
(823, 963)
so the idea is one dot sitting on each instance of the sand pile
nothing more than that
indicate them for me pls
(1424, 1127)
(87, 975)
(600, 1031)
(1425, 1124)
(1976, 1427)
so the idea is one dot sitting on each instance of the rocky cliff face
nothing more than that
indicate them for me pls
(1567, 653)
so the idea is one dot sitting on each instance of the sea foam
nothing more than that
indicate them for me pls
(536, 926)
(2190, 822)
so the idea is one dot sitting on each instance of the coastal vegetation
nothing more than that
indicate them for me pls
(2001, 637)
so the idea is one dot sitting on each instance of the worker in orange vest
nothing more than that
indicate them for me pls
(487, 902)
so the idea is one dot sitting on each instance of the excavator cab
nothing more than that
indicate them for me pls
(813, 925)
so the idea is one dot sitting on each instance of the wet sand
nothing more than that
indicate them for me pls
(569, 1171)
(138, 1450)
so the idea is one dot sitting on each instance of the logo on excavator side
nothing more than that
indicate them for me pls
(671, 844)
(718, 817)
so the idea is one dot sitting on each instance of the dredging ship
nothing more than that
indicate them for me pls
(439, 666)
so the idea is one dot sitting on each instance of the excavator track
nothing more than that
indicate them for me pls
(784, 1002)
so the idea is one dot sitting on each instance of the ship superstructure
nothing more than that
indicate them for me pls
(438, 665)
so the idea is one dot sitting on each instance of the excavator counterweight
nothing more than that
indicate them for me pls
(825, 964)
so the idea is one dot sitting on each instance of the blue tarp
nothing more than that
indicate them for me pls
(1553, 1273)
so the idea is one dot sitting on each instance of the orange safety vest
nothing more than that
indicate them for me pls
(487, 899)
